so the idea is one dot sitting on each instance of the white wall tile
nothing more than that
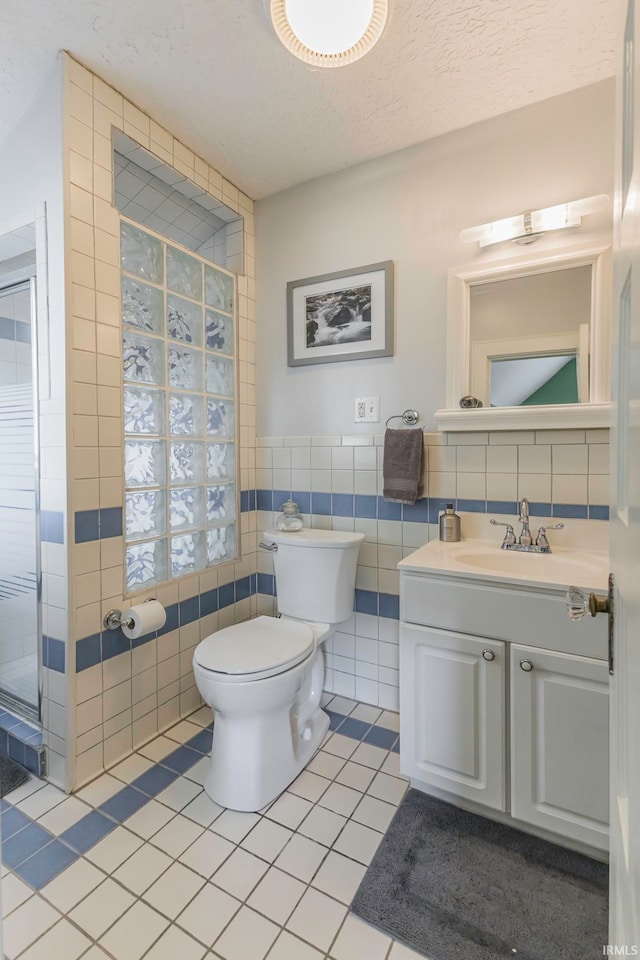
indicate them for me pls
(471, 459)
(502, 459)
(569, 488)
(570, 458)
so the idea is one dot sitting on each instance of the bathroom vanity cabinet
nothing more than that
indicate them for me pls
(504, 701)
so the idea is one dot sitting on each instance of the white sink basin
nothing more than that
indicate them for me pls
(525, 564)
(485, 559)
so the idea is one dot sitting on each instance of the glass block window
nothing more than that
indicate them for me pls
(178, 354)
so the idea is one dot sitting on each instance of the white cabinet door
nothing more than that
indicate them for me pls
(452, 721)
(559, 743)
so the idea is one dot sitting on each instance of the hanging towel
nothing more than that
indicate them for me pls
(403, 464)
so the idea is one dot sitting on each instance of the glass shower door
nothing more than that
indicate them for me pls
(19, 513)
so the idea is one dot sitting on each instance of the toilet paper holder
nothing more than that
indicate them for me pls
(118, 618)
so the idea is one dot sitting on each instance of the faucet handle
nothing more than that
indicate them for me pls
(541, 539)
(509, 536)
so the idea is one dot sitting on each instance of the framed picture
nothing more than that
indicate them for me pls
(341, 316)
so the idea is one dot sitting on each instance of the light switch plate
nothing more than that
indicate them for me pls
(367, 410)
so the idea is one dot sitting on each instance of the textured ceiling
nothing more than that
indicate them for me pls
(213, 72)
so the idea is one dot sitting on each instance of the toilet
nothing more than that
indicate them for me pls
(264, 678)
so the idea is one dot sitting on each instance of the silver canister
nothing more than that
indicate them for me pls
(449, 525)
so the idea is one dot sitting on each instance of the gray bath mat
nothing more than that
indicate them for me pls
(455, 886)
(11, 775)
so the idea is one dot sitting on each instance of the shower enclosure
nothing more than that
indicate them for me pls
(20, 580)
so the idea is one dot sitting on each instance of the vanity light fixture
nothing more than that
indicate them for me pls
(532, 224)
(329, 33)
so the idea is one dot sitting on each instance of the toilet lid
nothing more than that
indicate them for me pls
(265, 643)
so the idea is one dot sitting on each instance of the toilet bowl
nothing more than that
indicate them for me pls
(264, 678)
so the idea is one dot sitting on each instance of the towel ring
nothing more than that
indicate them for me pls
(410, 417)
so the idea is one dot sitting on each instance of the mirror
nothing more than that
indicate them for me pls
(528, 342)
(530, 338)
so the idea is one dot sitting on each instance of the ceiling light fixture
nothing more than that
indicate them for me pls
(329, 33)
(532, 224)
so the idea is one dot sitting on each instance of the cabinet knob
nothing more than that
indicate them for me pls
(526, 665)
(488, 655)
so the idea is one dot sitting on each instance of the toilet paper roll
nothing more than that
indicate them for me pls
(143, 618)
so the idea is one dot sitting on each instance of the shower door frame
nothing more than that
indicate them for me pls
(14, 703)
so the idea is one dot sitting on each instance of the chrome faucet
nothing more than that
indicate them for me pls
(525, 539)
(524, 543)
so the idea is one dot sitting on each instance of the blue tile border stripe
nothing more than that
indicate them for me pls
(99, 647)
(38, 856)
(426, 510)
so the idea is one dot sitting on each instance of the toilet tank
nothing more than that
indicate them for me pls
(315, 573)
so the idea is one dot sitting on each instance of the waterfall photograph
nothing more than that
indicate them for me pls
(347, 315)
(338, 316)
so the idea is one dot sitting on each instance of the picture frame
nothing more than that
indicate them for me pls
(347, 315)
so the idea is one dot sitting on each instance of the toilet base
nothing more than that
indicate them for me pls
(249, 794)
(264, 735)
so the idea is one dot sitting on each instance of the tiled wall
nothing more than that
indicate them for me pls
(123, 693)
(338, 483)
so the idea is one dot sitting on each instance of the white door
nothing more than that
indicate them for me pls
(560, 743)
(624, 930)
(452, 722)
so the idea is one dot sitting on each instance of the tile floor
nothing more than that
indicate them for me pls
(142, 864)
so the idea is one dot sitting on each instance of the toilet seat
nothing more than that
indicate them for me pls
(256, 649)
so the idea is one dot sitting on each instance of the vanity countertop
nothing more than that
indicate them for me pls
(484, 560)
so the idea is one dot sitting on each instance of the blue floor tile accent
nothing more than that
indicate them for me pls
(124, 804)
(12, 821)
(181, 759)
(16, 750)
(598, 513)
(87, 832)
(154, 780)
(24, 844)
(396, 747)
(201, 743)
(380, 737)
(356, 729)
(46, 864)
(335, 719)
